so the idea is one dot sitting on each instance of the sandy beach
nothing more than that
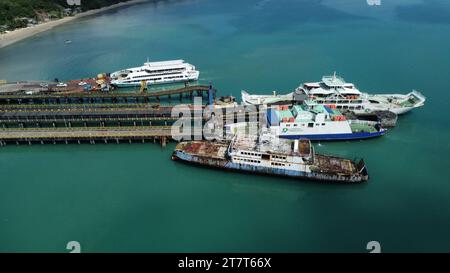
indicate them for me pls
(12, 37)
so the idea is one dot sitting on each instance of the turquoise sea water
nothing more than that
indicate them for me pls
(133, 198)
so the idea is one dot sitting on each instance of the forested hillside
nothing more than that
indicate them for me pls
(20, 13)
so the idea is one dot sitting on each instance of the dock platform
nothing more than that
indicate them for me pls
(90, 135)
(103, 97)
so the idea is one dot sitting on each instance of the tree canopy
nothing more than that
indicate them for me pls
(12, 11)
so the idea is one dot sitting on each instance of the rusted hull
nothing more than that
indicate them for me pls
(223, 163)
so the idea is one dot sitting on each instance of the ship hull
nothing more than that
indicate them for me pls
(226, 164)
(402, 110)
(150, 83)
(350, 136)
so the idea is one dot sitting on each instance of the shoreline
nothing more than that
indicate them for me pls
(17, 35)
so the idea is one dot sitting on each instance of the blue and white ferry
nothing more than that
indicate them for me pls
(318, 122)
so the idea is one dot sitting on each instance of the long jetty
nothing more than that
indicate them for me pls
(103, 97)
(93, 117)
(90, 135)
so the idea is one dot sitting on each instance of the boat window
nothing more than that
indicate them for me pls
(323, 124)
(310, 125)
(265, 157)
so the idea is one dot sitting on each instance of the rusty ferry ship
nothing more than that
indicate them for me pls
(275, 156)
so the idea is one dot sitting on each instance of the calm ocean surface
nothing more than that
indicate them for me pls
(115, 198)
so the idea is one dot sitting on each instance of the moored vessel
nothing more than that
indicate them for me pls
(334, 90)
(318, 122)
(272, 156)
(154, 73)
(273, 99)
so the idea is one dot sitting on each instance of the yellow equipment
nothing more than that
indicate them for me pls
(143, 86)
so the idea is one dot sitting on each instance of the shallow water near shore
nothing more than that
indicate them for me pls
(133, 198)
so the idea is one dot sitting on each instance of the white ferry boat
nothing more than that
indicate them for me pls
(333, 90)
(154, 73)
(318, 122)
(271, 156)
(248, 99)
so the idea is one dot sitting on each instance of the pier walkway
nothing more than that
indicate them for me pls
(103, 97)
(79, 135)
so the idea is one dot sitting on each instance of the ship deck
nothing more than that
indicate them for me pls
(360, 127)
(204, 148)
(331, 164)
